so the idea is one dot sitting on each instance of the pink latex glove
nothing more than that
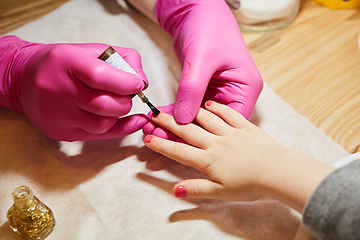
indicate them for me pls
(67, 92)
(216, 62)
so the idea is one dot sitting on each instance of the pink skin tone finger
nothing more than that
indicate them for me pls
(182, 153)
(184, 131)
(212, 123)
(243, 164)
(199, 156)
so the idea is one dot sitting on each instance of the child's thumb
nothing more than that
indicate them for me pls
(197, 188)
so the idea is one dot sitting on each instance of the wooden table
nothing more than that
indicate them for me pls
(313, 64)
(315, 67)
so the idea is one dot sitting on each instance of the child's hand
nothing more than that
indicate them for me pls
(229, 149)
(242, 161)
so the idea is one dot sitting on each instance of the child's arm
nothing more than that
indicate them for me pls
(242, 161)
(302, 234)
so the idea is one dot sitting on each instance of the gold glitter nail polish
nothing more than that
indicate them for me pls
(28, 216)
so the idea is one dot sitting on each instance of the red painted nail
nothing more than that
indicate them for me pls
(180, 192)
(208, 103)
(153, 115)
(148, 138)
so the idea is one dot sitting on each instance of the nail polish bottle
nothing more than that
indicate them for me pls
(28, 216)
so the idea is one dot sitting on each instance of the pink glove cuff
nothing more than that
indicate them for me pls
(15, 53)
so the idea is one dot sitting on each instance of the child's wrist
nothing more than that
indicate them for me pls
(292, 177)
(271, 180)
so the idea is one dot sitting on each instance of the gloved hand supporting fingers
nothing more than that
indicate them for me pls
(192, 87)
(90, 122)
(210, 47)
(125, 126)
(122, 127)
(236, 89)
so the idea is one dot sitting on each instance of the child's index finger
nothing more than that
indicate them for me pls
(191, 133)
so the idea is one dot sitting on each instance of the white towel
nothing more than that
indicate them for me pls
(119, 189)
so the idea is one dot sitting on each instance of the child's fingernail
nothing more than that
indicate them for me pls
(153, 115)
(148, 138)
(208, 103)
(180, 192)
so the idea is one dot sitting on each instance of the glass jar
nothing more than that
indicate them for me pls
(264, 15)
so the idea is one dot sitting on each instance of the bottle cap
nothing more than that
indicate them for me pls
(107, 53)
